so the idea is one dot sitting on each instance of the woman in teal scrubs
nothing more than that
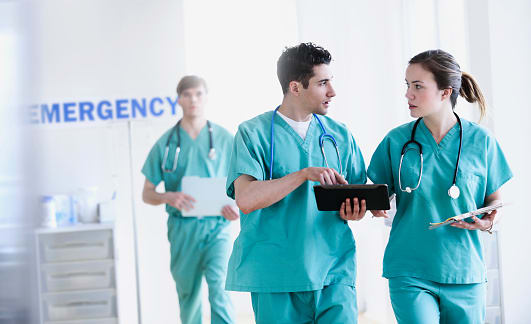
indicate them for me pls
(438, 276)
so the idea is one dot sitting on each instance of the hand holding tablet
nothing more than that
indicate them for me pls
(330, 197)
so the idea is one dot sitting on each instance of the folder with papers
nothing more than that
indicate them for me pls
(209, 195)
(476, 212)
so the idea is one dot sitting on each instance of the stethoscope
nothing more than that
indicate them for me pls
(211, 152)
(322, 138)
(454, 191)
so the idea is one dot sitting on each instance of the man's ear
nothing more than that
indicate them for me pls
(295, 87)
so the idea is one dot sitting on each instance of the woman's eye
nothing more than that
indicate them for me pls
(417, 86)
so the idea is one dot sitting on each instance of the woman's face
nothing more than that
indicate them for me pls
(423, 96)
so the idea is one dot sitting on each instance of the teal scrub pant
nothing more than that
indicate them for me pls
(333, 304)
(426, 302)
(200, 247)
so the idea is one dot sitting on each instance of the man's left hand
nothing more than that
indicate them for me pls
(347, 212)
(230, 212)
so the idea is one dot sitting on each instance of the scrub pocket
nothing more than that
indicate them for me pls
(472, 187)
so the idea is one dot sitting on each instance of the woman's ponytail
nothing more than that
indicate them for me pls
(471, 92)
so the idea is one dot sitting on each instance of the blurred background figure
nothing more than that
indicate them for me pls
(200, 246)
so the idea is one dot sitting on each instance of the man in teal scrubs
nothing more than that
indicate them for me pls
(198, 246)
(297, 262)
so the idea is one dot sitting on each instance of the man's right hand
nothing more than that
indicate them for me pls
(179, 200)
(324, 175)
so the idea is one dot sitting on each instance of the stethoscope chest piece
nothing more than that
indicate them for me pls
(454, 192)
(212, 154)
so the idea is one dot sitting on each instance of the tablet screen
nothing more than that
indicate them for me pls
(330, 197)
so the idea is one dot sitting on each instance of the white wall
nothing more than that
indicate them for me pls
(365, 42)
(93, 50)
(17, 301)
(371, 43)
(510, 49)
(235, 46)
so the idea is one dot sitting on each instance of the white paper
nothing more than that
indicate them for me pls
(209, 194)
(476, 212)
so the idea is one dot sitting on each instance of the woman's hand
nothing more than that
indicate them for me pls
(487, 221)
(379, 213)
(483, 224)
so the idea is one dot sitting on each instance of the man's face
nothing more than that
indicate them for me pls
(317, 97)
(193, 101)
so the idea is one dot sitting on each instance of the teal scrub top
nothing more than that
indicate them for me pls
(447, 254)
(290, 246)
(193, 158)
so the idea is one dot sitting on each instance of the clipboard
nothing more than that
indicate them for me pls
(209, 195)
(469, 214)
(330, 197)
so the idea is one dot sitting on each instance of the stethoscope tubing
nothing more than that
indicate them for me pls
(413, 141)
(176, 130)
(324, 135)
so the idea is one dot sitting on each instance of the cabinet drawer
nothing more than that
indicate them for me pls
(80, 305)
(78, 275)
(74, 246)
(88, 321)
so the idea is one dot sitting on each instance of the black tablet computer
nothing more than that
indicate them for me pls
(330, 197)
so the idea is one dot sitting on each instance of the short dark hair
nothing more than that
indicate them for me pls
(296, 64)
(190, 81)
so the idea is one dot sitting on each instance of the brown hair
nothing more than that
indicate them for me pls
(190, 81)
(448, 75)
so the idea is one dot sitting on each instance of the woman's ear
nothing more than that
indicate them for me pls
(446, 93)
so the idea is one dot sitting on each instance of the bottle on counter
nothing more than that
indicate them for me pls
(48, 212)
